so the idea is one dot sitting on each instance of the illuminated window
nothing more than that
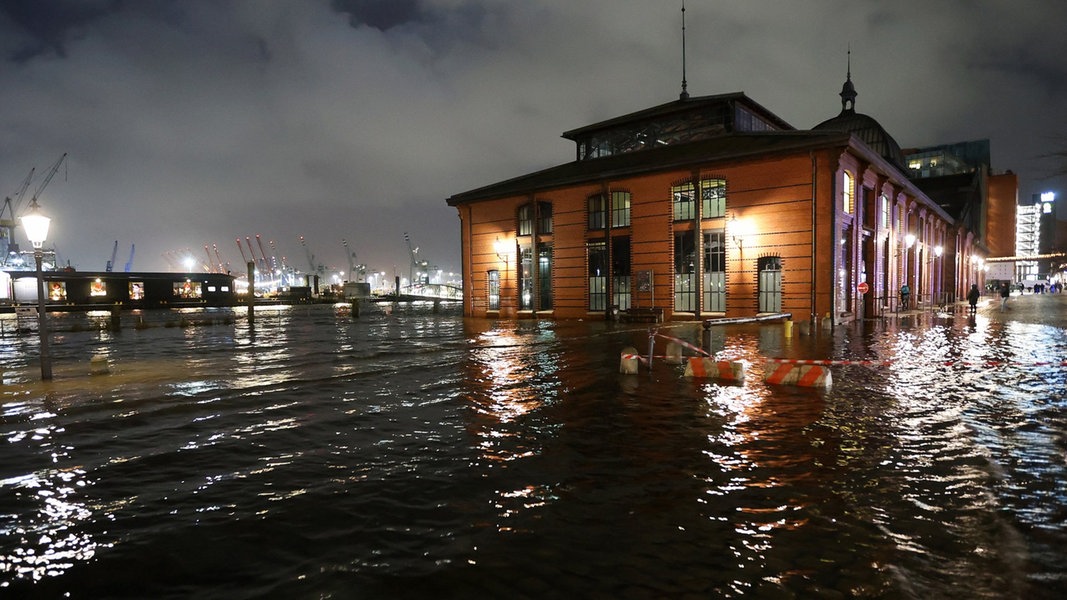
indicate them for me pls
(97, 288)
(493, 289)
(57, 291)
(712, 198)
(526, 218)
(848, 193)
(136, 290)
(620, 209)
(885, 211)
(684, 201)
(187, 289)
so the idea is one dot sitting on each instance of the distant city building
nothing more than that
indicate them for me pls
(1036, 230)
(714, 206)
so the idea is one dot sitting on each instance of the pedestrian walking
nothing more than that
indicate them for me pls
(973, 296)
(905, 296)
(1005, 291)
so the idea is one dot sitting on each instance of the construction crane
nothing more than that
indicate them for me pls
(129, 261)
(111, 262)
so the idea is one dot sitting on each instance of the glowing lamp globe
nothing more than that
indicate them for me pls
(36, 225)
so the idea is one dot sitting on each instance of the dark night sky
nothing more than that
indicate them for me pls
(196, 122)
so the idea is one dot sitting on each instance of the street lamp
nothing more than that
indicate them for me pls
(36, 225)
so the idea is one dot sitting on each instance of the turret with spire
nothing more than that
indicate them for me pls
(848, 91)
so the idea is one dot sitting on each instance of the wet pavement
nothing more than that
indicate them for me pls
(1046, 309)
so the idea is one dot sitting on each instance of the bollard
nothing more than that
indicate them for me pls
(98, 365)
(788, 328)
(727, 370)
(674, 353)
(628, 362)
(804, 327)
(827, 322)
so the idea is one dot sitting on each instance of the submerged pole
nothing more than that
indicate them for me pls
(251, 293)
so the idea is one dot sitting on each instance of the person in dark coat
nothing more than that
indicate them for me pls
(1005, 291)
(973, 296)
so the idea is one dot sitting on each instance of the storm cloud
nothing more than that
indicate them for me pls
(195, 123)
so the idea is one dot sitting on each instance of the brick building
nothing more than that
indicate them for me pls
(713, 206)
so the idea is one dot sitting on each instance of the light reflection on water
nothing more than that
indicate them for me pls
(316, 454)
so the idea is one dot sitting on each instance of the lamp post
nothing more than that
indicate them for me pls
(36, 226)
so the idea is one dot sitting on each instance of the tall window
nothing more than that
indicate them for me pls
(712, 198)
(597, 253)
(620, 271)
(544, 277)
(848, 194)
(715, 271)
(542, 299)
(770, 284)
(544, 217)
(684, 201)
(598, 213)
(526, 289)
(884, 211)
(525, 219)
(493, 286)
(620, 209)
(685, 293)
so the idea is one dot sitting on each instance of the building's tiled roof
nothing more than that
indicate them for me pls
(727, 147)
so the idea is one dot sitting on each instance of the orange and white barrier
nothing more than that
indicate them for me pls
(804, 375)
(727, 370)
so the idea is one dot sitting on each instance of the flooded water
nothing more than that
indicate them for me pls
(419, 454)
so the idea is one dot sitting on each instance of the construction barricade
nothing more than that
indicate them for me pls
(726, 370)
(791, 373)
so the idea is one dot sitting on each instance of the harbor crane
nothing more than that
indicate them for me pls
(244, 259)
(7, 225)
(129, 261)
(48, 178)
(311, 257)
(13, 208)
(111, 262)
(355, 272)
(419, 268)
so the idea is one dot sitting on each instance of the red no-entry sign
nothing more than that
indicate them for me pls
(862, 287)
